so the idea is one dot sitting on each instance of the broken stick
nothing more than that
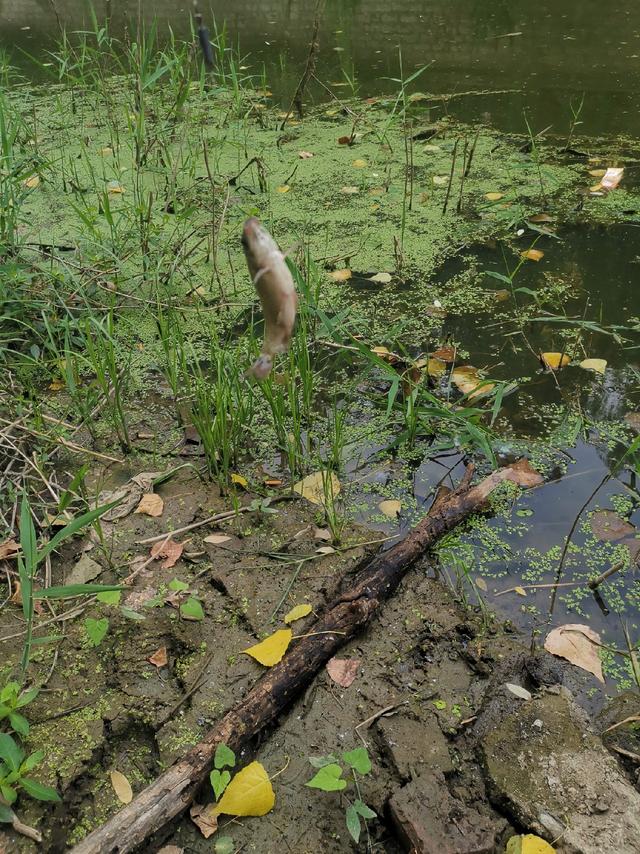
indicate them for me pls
(171, 793)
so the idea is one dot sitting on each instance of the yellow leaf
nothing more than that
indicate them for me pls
(390, 508)
(271, 649)
(383, 278)
(318, 487)
(32, 182)
(529, 844)
(435, 367)
(597, 173)
(554, 361)
(481, 583)
(494, 197)
(359, 164)
(596, 189)
(115, 188)
(532, 254)
(241, 481)
(349, 191)
(597, 365)
(121, 786)
(440, 180)
(381, 351)
(520, 591)
(105, 152)
(305, 155)
(56, 385)
(249, 793)
(283, 188)
(340, 275)
(297, 613)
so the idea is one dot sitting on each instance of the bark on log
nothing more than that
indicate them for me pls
(173, 791)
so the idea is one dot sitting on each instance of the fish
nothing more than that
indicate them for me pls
(274, 283)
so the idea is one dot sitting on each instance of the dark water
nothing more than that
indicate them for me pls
(552, 52)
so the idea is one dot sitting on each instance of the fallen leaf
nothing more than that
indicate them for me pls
(359, 164)
(529, 844)
(249, 793)
(607, 525)
(205, 818)
(192, 610)
(598, 365)
(16, 596)
(151, 504)
(271, 649)
(525, 473)
(440, 180)
(170, 550)
(121, 786)
(520, 591)
(340, 275)
(85, 570)
(435, 367)
(391, 507)
(383, 278)
(597, 173)
(611, 178)
(446, 353)
(482, 584)
(106, 151)
(56, 385)
(318, 487)
(493, 197)
(554, 361)
(297, 613)
(633, 420)
(216, 539)
(159, 657)
(345, 140)
(322, 534)
(325, 550)
(32, 182)
(305, 155)
(518, 691)
(115, 188)
(241, 481)
(532, 254)
(349, 191)
(542, 217)
(343, 670)
(573, 642)
(9, 549)
(283, 188)
(273, 482)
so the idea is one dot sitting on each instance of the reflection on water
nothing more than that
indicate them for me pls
(553, 52)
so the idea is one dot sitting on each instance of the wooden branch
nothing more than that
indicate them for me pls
(353, 607)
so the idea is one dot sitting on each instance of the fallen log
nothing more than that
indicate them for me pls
(171, 793)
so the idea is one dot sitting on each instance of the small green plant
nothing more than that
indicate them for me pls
(329, 778)
(14, 767)
(12, 698)
(220, 778)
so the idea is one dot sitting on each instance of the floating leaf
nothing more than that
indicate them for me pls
(340, 275)
(169, 550)
(598, 365)
(350, 191)
(446, 353)
(297, 613)
(607, 525)
(121, 786)
(532, 254)
(241, 481)
(358, 759)
(529, 844)
(115, 188)
(271, 649)
(216, 539)
(249, 793)
(494, 197)
(328, 779)
(391, 507)
(305, 155)
(192, 610)
(359, 164)
(32, 182)
(283, 188)
(382, 278)
(597, 173)
(481, 584)
(542, 217)
(554, 361)
(318, 487)
(151, 504)
(159, 657)
(95, 630)
(343, 670)
(520, 591)
(574, 642)
(440, 180)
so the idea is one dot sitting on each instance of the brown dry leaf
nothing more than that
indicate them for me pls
(16, 596)
(9, 549)
(542, 217)
(390, 508)
(159, 657)
(607, 525)
(532, 254)
(170, 849)
(318, 486)
(633, 420)
(150, 505)
(205, 818)
(216, 539)
(343, 670)
(305, 155)
(170, 550)
(520, 472)
(121, 786)
(325, 550)
(340, 275)
(574, 642)
(446, 353)
(273, 482)
(322, 534)
(345, 140)
(527, 475)
(554, 361)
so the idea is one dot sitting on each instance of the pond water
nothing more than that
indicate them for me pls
(499, 61)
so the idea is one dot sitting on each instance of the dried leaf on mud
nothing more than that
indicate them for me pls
(390, 508)
(270, 651)
(121, 786)
(9, 549)
(249, 793)
(607, 525)
(169, 550)
(85, 570)
(554, 361)
(532, 254)
(359, 164)
(216, 539)
(159, 657)
(340, 275)
(343, 670)
(297, 613)
(318, 487)
(574, 642)
(205, 818)
(151, 504)
(322, 534)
